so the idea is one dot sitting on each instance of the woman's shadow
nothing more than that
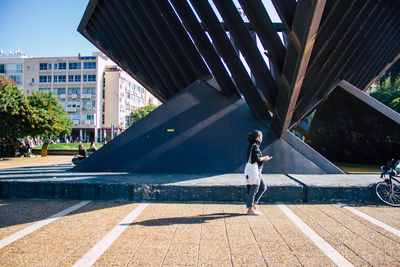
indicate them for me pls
(185, 220)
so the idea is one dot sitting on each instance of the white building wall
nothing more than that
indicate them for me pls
(82, 95)
(12, 66)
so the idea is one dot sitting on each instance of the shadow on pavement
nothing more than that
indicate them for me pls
(185, 220)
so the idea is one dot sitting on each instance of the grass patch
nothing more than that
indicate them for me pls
(358, 168)
(70, 146)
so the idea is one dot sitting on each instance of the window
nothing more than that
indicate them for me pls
(89, 78)
(44, 66)
(89, 91)
(89, 104)
(44, 79)
(2, 69)
(59, 91)
(89, 65)
(60, 66)
(74, 91)
(74, 104)
(89, 117)
(59, 78)
(74, 66)
(46, 90)
(74, 78)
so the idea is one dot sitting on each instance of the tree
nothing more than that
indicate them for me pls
(17, 118)
(388, 87)
(139, 113)
(389, 93)
(53, 117)
(22, 115)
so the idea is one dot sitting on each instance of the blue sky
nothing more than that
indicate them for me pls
(48, 28)
(44, 28)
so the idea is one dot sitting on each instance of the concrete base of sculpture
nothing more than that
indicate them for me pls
(201, 131)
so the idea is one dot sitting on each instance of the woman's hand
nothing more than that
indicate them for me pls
(266, 158)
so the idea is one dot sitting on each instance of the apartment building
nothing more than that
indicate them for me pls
(86, 87)
(12, 66)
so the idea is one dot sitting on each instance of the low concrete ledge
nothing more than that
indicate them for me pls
(58, 182)
(142, 192)
(334, 188)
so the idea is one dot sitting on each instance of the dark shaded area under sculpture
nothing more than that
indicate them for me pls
(347, 129)
(181, 52)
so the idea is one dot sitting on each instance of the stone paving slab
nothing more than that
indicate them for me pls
(200, 234)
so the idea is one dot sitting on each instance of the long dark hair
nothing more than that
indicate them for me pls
(251, 137)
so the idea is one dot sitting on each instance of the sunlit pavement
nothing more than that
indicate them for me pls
(61, 233)
(34, 161)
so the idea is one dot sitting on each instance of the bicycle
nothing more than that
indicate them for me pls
(389, 189)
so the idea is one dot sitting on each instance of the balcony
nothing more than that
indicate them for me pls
(86, 96)
(62, 96)
(75, 122)
(74, 96)
(71, 109)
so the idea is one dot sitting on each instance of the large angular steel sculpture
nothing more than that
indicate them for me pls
(207, 64)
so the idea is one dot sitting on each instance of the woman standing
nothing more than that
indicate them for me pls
(255, 191)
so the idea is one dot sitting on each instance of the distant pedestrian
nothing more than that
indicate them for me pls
(255, 191)
(82, 154)
(92, 147)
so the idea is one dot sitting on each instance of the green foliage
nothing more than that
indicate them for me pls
(22, 115)
(53, 117)
(390, 77)
(139, 113)
(17, 118)
(388, 87)
(389, 94)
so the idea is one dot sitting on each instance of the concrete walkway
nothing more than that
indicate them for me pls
(194, 234)
(49, 178)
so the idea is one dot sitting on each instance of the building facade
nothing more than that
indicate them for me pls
(86, 87)
(12, 66)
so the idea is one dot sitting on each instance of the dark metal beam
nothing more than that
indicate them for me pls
(144, 49)
(231, 58)
(348, 56)
(155, 46)
(181, 36)
(115, 55)
(130, 38)
(347, 51)
(266, 31)
(285, 10)
(172, 49)
(332, 30)
(332, 53)
(302, 37)
(204, 46)
(249, 49)
(374, 47)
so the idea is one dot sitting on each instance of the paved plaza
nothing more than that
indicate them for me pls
(79, 232)
(85, 233)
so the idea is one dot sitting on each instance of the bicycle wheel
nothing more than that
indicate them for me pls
(389, 193)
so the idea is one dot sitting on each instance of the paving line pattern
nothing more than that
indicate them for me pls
(198, 234)
(14, 237)
(325, 247)
(92, 255)
(372, 220)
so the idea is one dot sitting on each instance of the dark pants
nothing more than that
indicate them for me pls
(255, 192)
